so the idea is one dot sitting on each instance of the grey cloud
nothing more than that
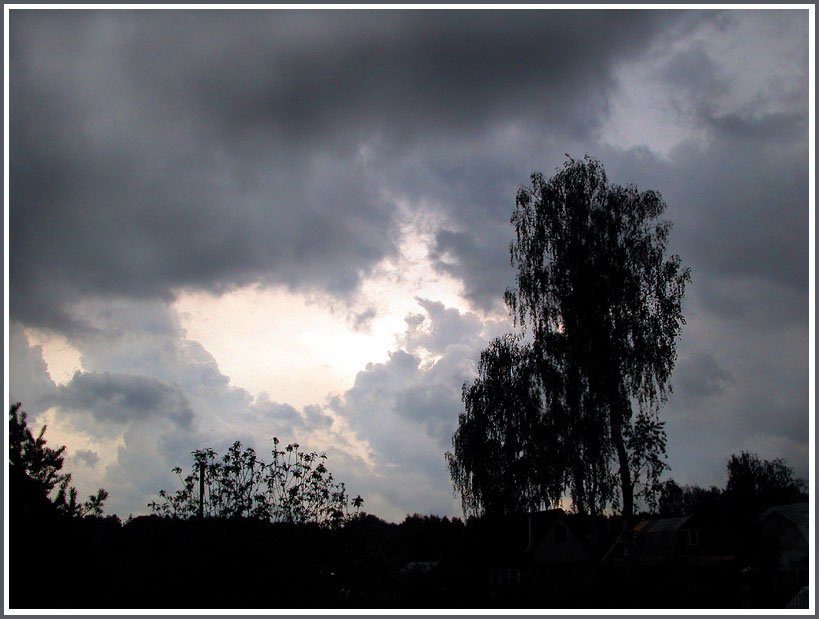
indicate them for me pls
(739, 206)
(482, 261)
(769, 129)
(163, 394)
(86, 457)
(737, 387)
(407, 411)
(694, 72)
(157, 150)
(29, 380)
(283, 416)
(120, 398)
(315, 416)
(447, 326)
(153, 151)
(264, 409)
(433, 406)
(737, 194)
(143, 466)
(700, 375)
(754, 226)
(362, 320)
(411, 68)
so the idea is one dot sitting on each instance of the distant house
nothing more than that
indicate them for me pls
(669, 538)
(784, 537)
(683, 540)
(550, 561)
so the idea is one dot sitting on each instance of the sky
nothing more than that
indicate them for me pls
(234, 225)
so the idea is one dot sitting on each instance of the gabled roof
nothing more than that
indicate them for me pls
(796, 513)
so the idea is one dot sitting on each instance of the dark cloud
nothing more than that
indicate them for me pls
(120, 398)
(157, 150)
(153, 151)
(695, 73)
(701, 376)
(482, 261)
(302, 75)
(86, 457)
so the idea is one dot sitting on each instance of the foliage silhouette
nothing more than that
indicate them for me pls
(504, 458)
(756, 484)
(675, 500)
(752, 485)
(35, 471)
(294, 488)
(601, 303)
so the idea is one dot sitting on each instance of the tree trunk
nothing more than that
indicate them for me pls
(625, 482)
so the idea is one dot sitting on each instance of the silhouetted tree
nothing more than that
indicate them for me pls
(295, 488)
(430, 537)
(504, 459)
(676, 500)
(603, 304)
(757, 484)
(35, 471)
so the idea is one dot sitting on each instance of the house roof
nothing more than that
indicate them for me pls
(796, 513)
(663, 525)
(659, 530)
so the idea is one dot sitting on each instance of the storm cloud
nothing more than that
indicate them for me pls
(159, 153)
(156, 150)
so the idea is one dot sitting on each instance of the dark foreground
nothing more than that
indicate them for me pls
(425, 562)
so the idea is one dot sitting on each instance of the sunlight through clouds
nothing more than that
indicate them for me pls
(61, 357)
(301, 348)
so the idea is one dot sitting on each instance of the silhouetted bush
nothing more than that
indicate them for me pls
(295, 487)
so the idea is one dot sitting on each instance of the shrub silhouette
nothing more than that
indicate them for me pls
(295, 488)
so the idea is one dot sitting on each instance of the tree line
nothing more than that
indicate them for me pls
(238, 557)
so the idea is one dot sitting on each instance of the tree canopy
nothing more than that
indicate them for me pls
(756, 483)
(601, 303)
(36, 472)
(502, 451)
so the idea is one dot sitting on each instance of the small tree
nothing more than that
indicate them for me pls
(39, 468)
(295, 487)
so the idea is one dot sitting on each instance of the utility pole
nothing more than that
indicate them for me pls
(201, 490)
